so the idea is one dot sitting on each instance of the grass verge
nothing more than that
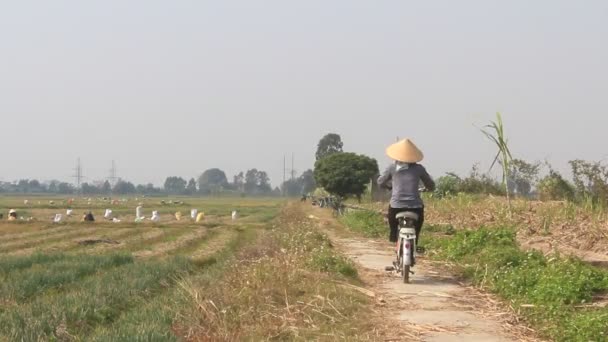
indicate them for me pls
(287, 286)
(368, 223)
(556, 295)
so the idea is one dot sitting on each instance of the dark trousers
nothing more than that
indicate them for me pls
(394, 223)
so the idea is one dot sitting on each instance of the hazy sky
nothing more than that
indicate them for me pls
(175, 87)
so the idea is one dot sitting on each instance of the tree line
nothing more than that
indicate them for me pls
(214, 181)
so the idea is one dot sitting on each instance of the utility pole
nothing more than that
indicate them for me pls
(293, 171)
(78, 174)
(284, 174)
(113, 176)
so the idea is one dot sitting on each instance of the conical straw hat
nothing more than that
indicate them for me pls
(405, 151)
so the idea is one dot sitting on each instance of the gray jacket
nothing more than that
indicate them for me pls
(405, 182)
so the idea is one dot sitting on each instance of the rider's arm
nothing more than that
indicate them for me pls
(385, 180)
(426, 179)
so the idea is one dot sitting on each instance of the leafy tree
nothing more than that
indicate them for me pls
(307, 179)
(239, 182)
(23, 185)
(345, 174)
(523, 176)
(148, 189)
(124, 188)
(88, 189)
(65, 188)
(554, 187)
(329, 144)
(53, 187)
(251, 181)
(212, 180)
(256, 182)
(106, 188)
(175, 185)
(291, 187)
(140, 189)
(590, 179)
(301, 185)
(35, 186)
(263, 182)
(191, 187)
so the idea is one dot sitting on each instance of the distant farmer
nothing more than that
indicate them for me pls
(88, 217)
(403, 178)
(12, 215)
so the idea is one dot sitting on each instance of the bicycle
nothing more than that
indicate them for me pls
(406, 253)
(406, 242)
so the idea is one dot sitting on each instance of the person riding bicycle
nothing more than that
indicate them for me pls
(403, 178)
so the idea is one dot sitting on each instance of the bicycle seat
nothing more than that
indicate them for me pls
(407, 215)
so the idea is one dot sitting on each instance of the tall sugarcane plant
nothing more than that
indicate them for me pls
(495, 132)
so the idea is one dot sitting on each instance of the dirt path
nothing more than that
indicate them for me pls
(434, 307)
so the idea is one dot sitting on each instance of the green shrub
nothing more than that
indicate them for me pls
(474, 183)
(555, 187)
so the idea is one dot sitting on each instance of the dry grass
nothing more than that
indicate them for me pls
(273, 290)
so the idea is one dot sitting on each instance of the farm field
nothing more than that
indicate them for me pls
(289, 271)
(171, 280)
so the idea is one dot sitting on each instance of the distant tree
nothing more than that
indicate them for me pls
(35, 186)
(257, 182)
(65, 188)
(140, 189)
(263, 183)
(23, 186)
(301, 185)
(175, 185)
(329, 144)
(53, 187)
(292, 187)
(238, 182)
(523, 176)
(251, 181)
(123, 188)
(106, 188)
(88, 189)
(345, 174)
(191, 187)
(590, 180)
(150, 189)
(554, 187)
(212, 181)
(307, 180)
